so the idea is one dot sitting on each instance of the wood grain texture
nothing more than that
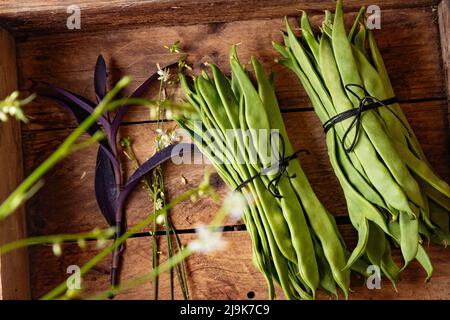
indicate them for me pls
(444, 28)
(36, 17)
(14, 281)
(223, 275)
(68, 59)
(131, 36)
(227, 274)
(66, 203)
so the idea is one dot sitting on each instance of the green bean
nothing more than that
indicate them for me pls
(259, 255)
(360, 40)
(280, 264)
(359, 266)
(409, 237)
(298, 284)
(424, 260)
(227, 96)
(327, 24)
(375, 244)
(421, 255)
(374, 86)
(381, 68)
(354, 175)
(439, 216)
(356, 203)
(388, 266)
(440, 237)
(423, 231)
(307, 68)
(363, 237)
(348, 70)
(274, 251)
(275, 219)
(320, 221)
(291, 209)
(326, 275)
(421, 168)
(351, 34)
(308, 35)
(434, 195)
(223, 172)
(379, 176)
(263, 198)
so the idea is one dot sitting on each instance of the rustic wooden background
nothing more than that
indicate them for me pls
(414, 41)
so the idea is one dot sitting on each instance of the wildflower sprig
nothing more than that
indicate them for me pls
(56, 240)
(209, 240)
(11, 106)
(174, 47)
(70, 145)
(203, 190)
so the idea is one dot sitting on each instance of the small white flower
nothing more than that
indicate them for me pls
(13, 96)
(158, 204)
(164, 74)
(166, 141)
(57, 251)
(169, 114)
(101, 243)
(163, 139)
(81, 243)
(11, 110)
(3, 117)
(235, 203)
(208, 240)
(160, 219)
(153, 113)
(174, 137)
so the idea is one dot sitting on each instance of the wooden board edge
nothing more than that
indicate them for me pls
(444, 30)
(37, 18)
(14, 274)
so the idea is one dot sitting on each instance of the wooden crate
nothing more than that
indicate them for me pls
(36, 44)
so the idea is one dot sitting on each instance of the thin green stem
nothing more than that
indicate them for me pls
(164, 267)
(108, 250)
(136, 281)
(95, 234)
(19, 196)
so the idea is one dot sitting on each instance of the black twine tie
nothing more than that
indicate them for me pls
(365, 103)
(282, 165)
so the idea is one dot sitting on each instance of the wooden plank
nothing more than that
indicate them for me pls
(68, 59)
(233, 273)
(66, 202)
(37, 17)
(227, 274)
(14, 266)
(444, 28)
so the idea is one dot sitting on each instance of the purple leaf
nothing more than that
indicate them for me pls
(160, 157)
(82, 103)
(100, 78)
(136, 94)
(79, 113)
(105, 187)
(141, 89)
(172, 151)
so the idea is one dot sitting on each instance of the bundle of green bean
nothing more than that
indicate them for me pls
(392, 193)
(295, 239)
